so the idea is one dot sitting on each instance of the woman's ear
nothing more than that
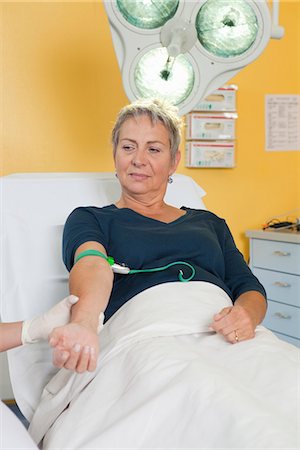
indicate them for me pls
(177, 160)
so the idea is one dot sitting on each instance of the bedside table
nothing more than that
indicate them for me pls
(275, 261)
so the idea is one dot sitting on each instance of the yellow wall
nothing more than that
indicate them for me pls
(61, 89)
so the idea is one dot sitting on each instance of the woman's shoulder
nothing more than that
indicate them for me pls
(87, 213)
(98, 210)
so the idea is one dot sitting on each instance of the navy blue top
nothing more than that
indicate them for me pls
(199, 237)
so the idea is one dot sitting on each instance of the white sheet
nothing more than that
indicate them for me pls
(165, 382)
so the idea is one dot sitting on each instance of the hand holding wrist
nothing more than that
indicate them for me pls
(39, 328)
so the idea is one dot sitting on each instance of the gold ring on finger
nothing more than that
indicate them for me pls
(236, 336)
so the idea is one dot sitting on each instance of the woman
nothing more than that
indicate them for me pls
(167, 375)
(143, 231)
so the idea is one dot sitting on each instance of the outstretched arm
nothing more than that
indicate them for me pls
(76, 345)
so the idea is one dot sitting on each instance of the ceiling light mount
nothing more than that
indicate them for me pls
(178, 36)
(182, 50)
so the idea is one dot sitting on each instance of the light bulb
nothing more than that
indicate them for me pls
(226, 28)
(158, 75)
(147, 14)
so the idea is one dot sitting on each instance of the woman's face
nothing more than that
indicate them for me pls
(143, 157)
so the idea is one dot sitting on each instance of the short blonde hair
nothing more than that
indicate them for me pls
(157, 110)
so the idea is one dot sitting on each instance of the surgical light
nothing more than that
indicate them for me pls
(183, 50)
(158, 74)
(147, 14)
(227, 29)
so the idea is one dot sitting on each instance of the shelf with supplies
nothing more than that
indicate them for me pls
(210, 131)
(275, 261)
(210, 153)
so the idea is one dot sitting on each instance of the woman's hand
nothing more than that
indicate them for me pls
(238, 322)
(234, 323)
(75, 347)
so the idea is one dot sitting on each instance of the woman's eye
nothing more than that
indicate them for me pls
(154, 150)
(127, 147)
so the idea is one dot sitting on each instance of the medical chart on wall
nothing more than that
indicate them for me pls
(282, 122)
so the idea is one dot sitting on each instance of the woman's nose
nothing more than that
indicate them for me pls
(139, 158)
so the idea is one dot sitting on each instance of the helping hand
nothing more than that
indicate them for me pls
(234, 323)
(76, 347)
(39, 328)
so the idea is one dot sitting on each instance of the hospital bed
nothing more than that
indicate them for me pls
(34, 209)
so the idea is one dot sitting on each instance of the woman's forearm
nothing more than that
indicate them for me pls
(76, 345)
(91, 280)
(255, 304)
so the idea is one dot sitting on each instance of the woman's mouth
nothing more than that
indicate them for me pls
(138, 176)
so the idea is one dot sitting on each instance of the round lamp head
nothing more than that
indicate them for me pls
(147, 14)
(227, 28)
(156, 74)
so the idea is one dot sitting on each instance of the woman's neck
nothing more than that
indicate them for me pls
(155, 209)
(142, 205)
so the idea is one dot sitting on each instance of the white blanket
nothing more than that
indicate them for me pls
(164, 381)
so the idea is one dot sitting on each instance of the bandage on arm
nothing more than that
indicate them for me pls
(39, 328)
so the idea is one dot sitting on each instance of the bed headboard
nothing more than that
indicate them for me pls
(33, 211)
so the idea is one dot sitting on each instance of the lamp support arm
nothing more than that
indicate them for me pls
(277, 30)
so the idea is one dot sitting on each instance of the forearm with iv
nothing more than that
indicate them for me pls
(91, 280)
(76, 345)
